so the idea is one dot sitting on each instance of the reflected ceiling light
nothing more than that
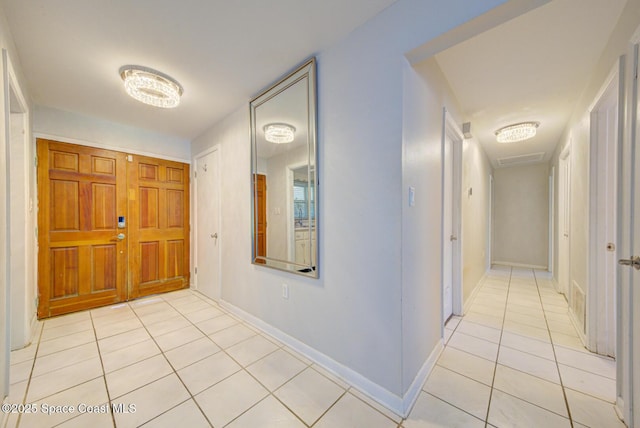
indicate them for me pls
(150, 86)
(517, 132)
(279, 133)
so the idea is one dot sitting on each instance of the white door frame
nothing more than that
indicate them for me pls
(489, 259)
(451, 130)
(628, 302)
(628, 367)
(634, 276)
(603, 201)
(291, 235)
(196, 165)
(23, 242)
(552, 230)
(5, 280)
(564, 224)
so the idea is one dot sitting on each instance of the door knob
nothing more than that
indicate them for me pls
(214, 235)
(119, 236)
(633, 261)
(453, 238)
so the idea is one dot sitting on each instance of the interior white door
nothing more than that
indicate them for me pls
(634, 316)
(604, 150)
(208, 236)
(628, 304)
(564, 212)
(447, 230)
(635, 282)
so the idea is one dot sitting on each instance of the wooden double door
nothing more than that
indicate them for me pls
(111, 227)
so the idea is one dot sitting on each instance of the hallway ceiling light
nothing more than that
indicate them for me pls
(150, 86)
(279, 133)
(517, 132)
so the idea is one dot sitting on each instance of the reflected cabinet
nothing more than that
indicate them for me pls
(284, 175)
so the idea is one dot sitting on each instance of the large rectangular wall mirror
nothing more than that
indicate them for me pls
(283, 174)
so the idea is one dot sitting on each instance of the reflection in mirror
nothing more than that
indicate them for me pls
(284, 182)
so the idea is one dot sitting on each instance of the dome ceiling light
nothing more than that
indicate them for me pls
(517, 132)
(150, 86)
(279, 133)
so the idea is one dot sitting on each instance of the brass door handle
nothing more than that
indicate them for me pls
(119, 237)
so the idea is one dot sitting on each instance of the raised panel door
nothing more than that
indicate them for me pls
(159, 226)
(82, 264)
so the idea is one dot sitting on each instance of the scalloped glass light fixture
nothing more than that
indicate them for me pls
(279, 133)
(151, 86)
(517, 132)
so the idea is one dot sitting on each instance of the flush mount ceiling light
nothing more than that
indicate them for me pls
(517, 132)
(150, 86)
(279, 133)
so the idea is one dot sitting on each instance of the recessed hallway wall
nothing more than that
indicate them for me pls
(521, 216)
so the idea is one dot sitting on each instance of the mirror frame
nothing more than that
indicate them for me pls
(306, 70)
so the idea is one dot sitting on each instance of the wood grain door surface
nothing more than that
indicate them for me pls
(159, 225)
(82, 263)
(260, 219)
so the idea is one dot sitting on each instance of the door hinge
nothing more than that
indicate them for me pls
(196, 271)
(35, 161)
(195, 174)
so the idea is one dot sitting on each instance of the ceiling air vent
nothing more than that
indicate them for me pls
(521, 159)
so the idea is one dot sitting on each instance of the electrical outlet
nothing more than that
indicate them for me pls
(285, 291)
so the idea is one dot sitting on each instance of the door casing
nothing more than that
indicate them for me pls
(452, 139)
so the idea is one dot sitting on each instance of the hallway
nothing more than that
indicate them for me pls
(181, 359)
(515, 360)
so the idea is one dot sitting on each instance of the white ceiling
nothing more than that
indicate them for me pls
(534, 67)
(222, 52)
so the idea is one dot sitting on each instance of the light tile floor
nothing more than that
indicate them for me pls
(515, 360)
(179, 359)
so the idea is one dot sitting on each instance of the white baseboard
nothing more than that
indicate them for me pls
(395, 403)
(576, 325)
(520, 265)
(619, 408)
(473, 295)
(413, 392)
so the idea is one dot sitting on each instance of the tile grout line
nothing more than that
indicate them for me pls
(280, 346)
(162, 352)
(544, 314)
(242, 368)
(495, 367)
(104, 373)
(33, 365)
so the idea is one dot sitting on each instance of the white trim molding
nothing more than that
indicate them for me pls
(108, 147)
(399, 405)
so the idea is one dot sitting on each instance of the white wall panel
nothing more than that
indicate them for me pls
(521, 215)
